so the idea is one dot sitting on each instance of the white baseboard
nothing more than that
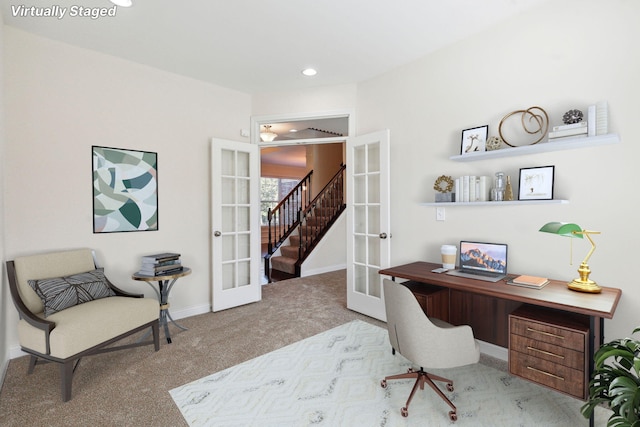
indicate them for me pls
(494, 350)
(15, 352)
(191, 311)
(305, 273)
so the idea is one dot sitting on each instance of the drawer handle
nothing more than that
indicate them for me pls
(549, 334)
(545, 373)
(548, 353)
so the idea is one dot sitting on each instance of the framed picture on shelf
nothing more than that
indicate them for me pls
(474, 140)
(125, 190)
(536, 183)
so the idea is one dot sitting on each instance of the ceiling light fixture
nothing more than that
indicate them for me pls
(309, 72)
(122, 3)
(267, 135)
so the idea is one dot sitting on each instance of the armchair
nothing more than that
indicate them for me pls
(97, 313)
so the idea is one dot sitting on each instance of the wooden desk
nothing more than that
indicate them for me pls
(487, 307)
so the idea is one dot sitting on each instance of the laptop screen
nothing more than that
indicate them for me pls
(483, 257)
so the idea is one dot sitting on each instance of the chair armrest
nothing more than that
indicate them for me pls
(119, 292)
(24, 313)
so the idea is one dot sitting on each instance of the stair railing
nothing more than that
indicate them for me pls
(319, 215)
(283, 219)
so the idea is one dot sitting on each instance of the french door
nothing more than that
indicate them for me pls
(368, 221)
(235, 219)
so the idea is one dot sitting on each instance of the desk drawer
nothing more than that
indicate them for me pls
(549, 352)
(550, 348)
(547, 373)
(548, 333)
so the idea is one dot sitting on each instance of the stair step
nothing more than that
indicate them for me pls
(282, 263)
(289, 251)
(295, 240)
(315, 220)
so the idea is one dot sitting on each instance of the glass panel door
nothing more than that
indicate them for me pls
(236, 224)
(368, 246)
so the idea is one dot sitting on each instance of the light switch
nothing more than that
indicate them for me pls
(439, 214)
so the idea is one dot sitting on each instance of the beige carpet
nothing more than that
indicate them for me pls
(131, 387)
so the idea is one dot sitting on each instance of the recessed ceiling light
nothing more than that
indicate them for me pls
(123, 3)
(309, 72)
(293, 130)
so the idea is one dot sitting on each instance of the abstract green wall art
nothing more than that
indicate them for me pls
(125, 190)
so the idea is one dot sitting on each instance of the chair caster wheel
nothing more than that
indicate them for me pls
(450, 387)
(383, 383)
(453, 416)
(404, 412)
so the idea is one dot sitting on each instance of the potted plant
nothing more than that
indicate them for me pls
(616, 382)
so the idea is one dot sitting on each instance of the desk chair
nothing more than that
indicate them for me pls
(428, 343)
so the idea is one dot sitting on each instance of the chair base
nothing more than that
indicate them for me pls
(68, 366)
(423, 378)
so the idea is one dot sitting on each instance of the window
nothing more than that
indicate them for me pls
(272, 190)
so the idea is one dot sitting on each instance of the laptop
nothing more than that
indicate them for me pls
(481, 261)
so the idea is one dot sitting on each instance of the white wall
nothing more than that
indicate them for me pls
(61, 100)
(561, 56)
(320, 99)
(5, 299)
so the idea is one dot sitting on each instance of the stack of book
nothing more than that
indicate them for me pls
(529, 281)
(161, 264)
(572, 130)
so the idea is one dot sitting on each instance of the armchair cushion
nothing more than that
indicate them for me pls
(84, 326)
(58, 293)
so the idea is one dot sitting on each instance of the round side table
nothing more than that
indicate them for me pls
(165, 283)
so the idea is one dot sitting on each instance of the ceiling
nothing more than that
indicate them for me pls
(261, 46)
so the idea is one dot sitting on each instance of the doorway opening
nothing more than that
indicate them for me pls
(297, 144)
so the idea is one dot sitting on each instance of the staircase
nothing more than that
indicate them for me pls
(312, 222)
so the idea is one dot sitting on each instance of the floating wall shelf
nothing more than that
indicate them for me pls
(510, 202)
(541, 147)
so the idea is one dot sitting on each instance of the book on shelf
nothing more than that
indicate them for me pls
(529, 281)
(569, 132)
(570, 126)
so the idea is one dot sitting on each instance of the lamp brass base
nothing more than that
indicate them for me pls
(584, 286)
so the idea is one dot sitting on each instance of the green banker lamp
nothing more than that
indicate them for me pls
(582, 284)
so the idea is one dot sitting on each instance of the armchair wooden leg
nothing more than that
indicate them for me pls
(33, 360)
(66, 378)
(156, 335)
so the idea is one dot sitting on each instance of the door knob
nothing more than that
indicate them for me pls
(383, 235)
(217, 233)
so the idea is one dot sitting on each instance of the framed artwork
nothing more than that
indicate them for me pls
(474, 140)
(125, 190)
(536, 183)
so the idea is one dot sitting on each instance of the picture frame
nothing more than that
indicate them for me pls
(536, 183)
(474, 140)
(125, 190)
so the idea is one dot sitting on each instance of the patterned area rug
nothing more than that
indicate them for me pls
(333, 379)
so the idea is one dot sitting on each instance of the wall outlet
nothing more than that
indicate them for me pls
(439, 214)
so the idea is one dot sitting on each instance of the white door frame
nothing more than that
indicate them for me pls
(257, 121)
